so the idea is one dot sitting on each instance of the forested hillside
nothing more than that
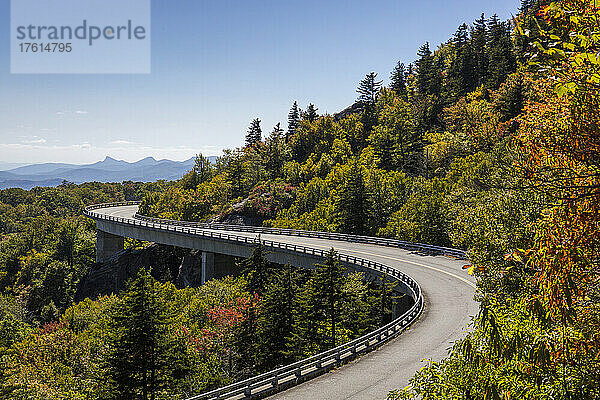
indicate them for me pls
(488, 142)
(55, 347)
(411, 160)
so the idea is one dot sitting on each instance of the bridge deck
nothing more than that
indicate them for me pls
(449, 306)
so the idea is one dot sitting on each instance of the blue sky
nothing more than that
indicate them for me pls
(215, 66)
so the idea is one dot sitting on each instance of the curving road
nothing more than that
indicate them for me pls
(449, 307)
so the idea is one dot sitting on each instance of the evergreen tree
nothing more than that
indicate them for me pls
(384, 301)
(530, 6)
(277, 130)
(398, 81)
(277, 152)
(479, 39)
(307, 336)
(232, 162)
(368, 89)
(428, 104)
(254, 170)
(254, 134)
(425, 70)
(203, 168)
(275, 321)
(258, 269)
(353, 204)
(248, 352)
(328, 282)
(201, 172)
(318, 309)
(246, 346)
(502, 61)
(461, 73)
(410, 81)
(385, 148)
(293, 120)
(311, 114)
(138, 361)
(368, 93)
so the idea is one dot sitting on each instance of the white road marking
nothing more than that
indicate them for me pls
(460, 278)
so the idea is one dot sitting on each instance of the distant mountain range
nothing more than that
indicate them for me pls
(109, 170)
(5, 166)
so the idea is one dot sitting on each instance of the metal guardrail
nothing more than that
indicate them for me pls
(302, 370)
(314, 234)
(457, 253)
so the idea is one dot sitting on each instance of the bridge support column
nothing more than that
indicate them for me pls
(107, 245)
(208, 266)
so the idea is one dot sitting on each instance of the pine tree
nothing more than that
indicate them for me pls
(531, 6)
(233, 164)
(201, 172)
(461, 73)
(368, 93)
(254, 134)
(138, 360)
(275, 321)
(307, 336)
(385, 300)
(410, 81)
(277, 152)
(424, 69)
(328, 281)
(396, 143)
(385, 148)
(311, 114)
(479, 39)
(277, 130)
(258, 269)
(368, 89)
(246, 346)
(502, 61)
(353, 204)
(293, 120)
(398, 81)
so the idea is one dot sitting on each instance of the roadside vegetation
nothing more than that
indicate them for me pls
(488, 142)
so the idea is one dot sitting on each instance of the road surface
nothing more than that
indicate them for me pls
(449, 307)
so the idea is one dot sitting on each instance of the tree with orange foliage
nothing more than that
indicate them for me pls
(545, 343)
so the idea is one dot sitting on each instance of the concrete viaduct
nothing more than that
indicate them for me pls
(442, 289)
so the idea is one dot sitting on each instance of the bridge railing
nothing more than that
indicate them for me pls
(314, 234)
(292, 374)
(420, 247)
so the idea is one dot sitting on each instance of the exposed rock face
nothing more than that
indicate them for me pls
(236, 216)
(355, 108)
(180, 266)
(190, 270)
(241, 219)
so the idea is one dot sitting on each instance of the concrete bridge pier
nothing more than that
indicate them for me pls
(208, 266)
(107, 245)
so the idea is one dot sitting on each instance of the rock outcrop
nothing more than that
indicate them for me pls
(180, 266)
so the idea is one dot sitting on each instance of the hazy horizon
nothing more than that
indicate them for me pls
(215, 67)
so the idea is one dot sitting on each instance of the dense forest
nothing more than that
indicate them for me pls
(154, 337)
(488, 143)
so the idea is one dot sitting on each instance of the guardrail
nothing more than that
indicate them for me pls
(314, 234)
(298, 372)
